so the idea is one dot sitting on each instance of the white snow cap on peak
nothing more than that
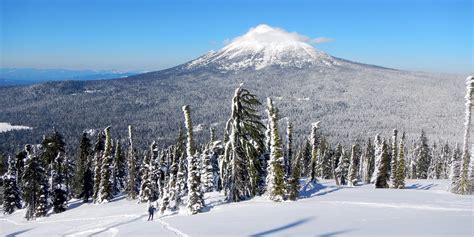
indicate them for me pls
(264, 46)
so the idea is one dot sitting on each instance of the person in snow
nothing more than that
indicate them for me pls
(151, 211)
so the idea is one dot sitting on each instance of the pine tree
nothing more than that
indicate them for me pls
(422, 156)
(59, 183)
(343, 168)
(132, 187)
(33, 177)
(369, 162)
(120, 169)
(182, 175)
(20, 167)
(381, 175)
(306, 158)
(195, 197)
(353, 166)
(207, 177)
(294, 182)
(276, 173)
(98, 155)
(105, 186)
(82, 162)
(314, 151)
(400, 172)
(455, 168)
(289, 148)
(461, 184)
(171, 187)
(394, 160)
(243, 148)
(145, 186)
(11, 192)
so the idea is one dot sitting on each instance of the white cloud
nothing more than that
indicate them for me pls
(321, 40)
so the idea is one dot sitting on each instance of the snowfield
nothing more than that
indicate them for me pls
(424, 208)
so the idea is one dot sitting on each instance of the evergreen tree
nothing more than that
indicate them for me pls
(353, 166)
(455, 168)
(132, 187)
(207, 176)
(289, 148)
(172, 182)
(20, 167)
(145, 190)
(276, 172)
(369, 162)
(195, 197)
(98, 155)
(461, 184)
(243, 148)
(105, 186)
(400, 172)
(11, 192)
(342, 168)
(294, 182)
(422, 156)
(59, 183)
(33, 177)
(82, 162)
(314, 150)
(306, 158)
(394, 160)
(446, 160)
(182, 175)
(120, 169)
(381, 175)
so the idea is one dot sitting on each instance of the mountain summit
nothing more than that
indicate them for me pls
(265, 46)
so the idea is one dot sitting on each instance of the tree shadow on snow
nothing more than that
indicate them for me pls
(284, 227)
(18, 232)
(311, 189)
(334, 233)
(421, 187)
(118, 224)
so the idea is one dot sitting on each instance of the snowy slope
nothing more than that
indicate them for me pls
(265, 46)
(423, 209)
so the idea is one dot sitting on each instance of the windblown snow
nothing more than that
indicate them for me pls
(265, 46)
(5, 127)
(424, 208)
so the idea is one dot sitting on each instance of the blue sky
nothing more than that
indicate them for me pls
(151, 35)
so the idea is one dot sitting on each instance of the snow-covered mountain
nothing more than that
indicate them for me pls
(265, 46)
(353, 101)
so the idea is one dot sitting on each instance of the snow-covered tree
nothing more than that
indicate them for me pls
(422, 156)
(59, 183)
(132, 181)
(394, 160)
(207, 174)
(245, 144)
(368, 162)
(400, 172)
(461, 184)
(120, 169)
(105, 186)
(342, 168)
(455, 167)
(145, 193)
(381, 175)
(81, 166)
(353, 166)
(314, 150)
(97, 163)
(294, 180)
(276, 173)
(289, 148)
(11, 192)
(195, 196)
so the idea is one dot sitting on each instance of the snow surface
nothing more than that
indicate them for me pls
(5, 127)
(265, 46)
(424, 208)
